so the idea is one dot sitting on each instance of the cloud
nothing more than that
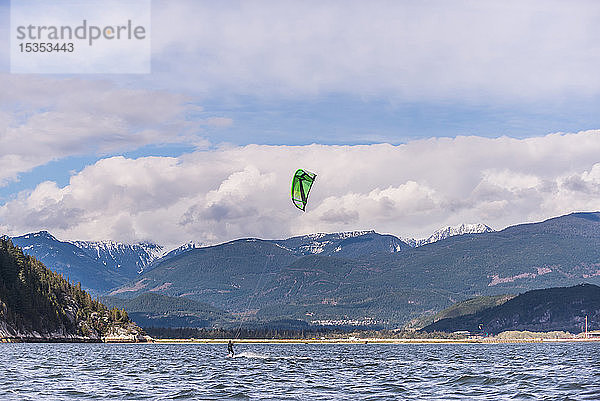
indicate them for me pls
(46, 119)
(407, 50)
(408, 199)
(217, 194)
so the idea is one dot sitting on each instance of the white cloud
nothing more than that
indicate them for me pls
(406, 200)
(214, 195)
(409, 50)
(45, 119)
(509, 180)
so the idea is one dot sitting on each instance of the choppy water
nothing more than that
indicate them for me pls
(300, 372)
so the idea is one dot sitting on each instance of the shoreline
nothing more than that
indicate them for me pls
(374, 341)
(333, 341)
(103, 340)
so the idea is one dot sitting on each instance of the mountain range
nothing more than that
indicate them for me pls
(129, 259)
(270, 280)
(359, 277)
(98, 266)
(103, 265)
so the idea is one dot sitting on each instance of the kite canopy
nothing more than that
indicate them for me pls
(301, 184)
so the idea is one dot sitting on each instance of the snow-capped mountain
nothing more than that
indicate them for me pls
(122, 256)
(98, 265)
(102, 265)
(181, 249)
(126, 259)
(447, 232)
(344, 244)
(70, 260)
(360, 243)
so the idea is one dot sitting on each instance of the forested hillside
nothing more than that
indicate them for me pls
(538, 310)
(269, 281)
(38, 303)
(155, 310)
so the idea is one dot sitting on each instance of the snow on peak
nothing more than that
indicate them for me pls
(450, 231)
(116, 254)
(181, 249)
(43, 234)
(190, 245)
(340, 235)
(321, 242)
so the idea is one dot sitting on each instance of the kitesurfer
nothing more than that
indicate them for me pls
(230, 349)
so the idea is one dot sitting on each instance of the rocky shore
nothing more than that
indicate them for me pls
(117, 335)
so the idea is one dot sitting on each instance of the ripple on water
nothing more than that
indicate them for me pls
(299, 372)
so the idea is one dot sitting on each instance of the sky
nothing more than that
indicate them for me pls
(414, 115)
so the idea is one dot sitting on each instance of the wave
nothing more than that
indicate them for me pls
(252, 355)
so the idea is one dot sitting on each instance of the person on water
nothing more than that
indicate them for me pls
(230, 348)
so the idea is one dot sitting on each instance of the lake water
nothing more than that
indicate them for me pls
(564, 371)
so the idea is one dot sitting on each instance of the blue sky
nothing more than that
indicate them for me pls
(235, 79)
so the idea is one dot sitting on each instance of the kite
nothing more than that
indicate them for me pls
(301, 184)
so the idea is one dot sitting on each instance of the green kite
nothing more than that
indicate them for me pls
(301, 184)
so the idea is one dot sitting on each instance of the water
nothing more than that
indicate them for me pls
(564, 371)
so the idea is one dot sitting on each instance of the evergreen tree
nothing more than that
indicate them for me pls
(33, 298)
